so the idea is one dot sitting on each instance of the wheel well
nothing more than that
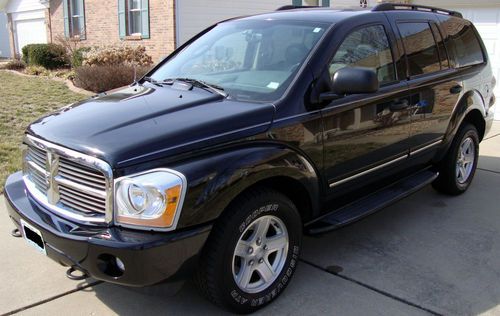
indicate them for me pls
(292, 189)
(475, 118)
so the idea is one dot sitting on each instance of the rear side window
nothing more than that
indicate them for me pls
(466, 44)
(366, 47)
(420, 47)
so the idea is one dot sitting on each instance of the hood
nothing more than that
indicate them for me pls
(148, 122)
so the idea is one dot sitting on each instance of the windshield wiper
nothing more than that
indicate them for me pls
(157, 82)
(201, 84)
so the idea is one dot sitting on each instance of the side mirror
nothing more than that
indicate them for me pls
(351, 80)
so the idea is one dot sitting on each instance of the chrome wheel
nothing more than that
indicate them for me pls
(465, 160)
(260, 254)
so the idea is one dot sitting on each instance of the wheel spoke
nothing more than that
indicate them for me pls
(242, 249)
(276, 242)
(265, 271)
(262, 227)
(245, 275)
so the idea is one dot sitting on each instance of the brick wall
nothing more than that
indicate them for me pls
(101, 22)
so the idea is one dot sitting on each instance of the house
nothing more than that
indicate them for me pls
(163, 25)
(4, 37)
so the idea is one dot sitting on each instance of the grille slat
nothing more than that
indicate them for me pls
(82, 195)
(78, 206)
(65, 196)
(37, 159)
(70, 168)
(85, 182)
(77, 188)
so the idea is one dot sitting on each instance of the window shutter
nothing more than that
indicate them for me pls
(81, 9)
(326, 3)
(122, 26)
(66, 18)
(145, 18)
(296, 2)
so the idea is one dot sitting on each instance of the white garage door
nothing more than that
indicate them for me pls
(487, 22)
(193, 16)
(29, 32)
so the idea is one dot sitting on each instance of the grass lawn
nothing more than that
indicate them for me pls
(23, 100)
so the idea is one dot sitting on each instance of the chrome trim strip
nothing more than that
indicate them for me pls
(334, 184)
(178, 210)
(39, 169)
(414, 152)
(53, 152)
(80, 187)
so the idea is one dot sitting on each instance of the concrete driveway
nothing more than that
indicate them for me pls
(428, 254)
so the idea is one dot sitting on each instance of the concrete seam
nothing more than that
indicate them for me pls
(18, 310)
(372, 288)
(492, 136)
(487, 170)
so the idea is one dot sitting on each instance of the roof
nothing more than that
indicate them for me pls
(319, 14)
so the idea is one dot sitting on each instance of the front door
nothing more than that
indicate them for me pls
(366, 134)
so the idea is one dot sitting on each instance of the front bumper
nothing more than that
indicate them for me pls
(149, 257)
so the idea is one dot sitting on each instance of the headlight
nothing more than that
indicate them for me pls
(152, 199)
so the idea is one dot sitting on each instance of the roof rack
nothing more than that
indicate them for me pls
(291, 7)
(416, 7)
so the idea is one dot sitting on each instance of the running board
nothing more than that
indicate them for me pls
(371, 203)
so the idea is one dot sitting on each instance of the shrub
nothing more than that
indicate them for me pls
(49, 56)
(15, 64)
(117, 55)
(77, 56)
(103, 78)
(36, 70)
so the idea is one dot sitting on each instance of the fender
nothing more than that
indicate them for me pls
(215, 180)
(470, 101)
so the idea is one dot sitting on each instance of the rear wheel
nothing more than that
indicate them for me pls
(252, 251)
(459, 166)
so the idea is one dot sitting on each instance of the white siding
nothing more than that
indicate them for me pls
(4, 36)
(23, 5)
(193, 16)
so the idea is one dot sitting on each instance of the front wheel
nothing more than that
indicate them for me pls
(459, 166)
(252, 251)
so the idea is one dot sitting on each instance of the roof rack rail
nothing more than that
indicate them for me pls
(416, 7)
(291, 7)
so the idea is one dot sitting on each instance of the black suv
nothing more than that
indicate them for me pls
(256, 130)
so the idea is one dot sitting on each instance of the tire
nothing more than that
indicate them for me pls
(456, 170)
(236, 282)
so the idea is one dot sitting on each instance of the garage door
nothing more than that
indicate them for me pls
(29, 32)
(487, 22)
(193, 16)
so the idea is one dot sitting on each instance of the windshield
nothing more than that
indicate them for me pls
(250, 59)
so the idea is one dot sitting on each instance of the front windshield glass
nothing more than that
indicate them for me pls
(250, 59)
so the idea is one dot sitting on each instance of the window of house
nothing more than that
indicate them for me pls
(420, 47)
(369, 48)
(74, 18)
(133, 18)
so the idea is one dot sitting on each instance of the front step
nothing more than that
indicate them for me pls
(371, 203)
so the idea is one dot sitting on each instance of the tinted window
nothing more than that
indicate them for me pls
(367, 47)
(467, 48)
(420, 47)
(443, 56)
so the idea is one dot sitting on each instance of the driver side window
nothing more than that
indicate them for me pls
(367, 47)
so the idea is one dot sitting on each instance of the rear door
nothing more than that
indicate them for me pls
(365, 135)
(435, 87)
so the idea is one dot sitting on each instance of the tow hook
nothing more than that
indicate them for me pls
(16, 233)
(76, 277)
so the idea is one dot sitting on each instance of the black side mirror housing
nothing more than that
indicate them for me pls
(355, 80)
(349, 80)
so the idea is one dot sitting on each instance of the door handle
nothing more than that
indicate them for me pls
(456, 89)
(399, 105)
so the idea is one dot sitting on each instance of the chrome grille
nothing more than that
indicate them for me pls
(70, 183)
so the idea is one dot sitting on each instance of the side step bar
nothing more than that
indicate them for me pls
(371, 203)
